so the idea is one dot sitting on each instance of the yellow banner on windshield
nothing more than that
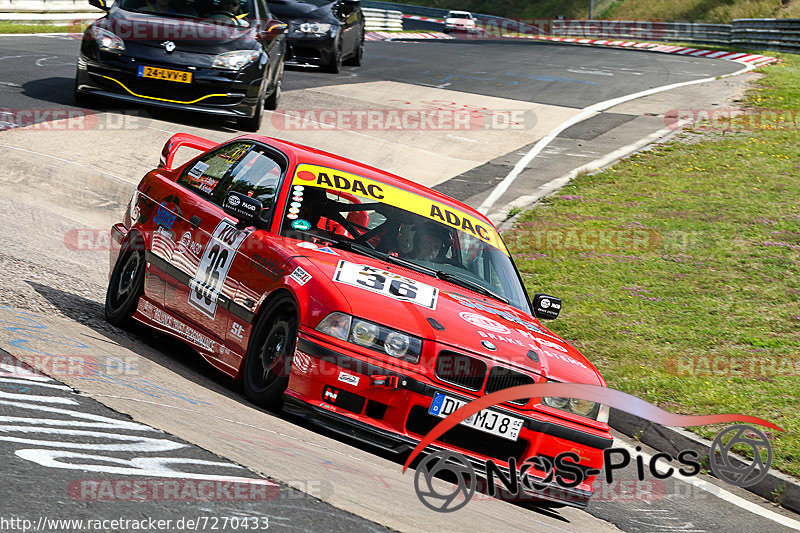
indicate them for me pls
(337, 180)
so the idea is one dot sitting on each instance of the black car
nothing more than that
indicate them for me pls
(223, 57)
(323, 33)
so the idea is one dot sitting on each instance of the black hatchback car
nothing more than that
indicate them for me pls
(223, 57)
(323, 32)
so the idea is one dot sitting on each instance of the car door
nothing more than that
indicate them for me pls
(215, 243)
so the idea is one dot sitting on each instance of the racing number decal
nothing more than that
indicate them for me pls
(215, 263)
(385, 283)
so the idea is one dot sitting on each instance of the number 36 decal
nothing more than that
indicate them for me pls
(214, 265)
(385, 283)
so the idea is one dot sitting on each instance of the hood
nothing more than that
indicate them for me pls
(468, 319)
(287, 10)
(189, 35)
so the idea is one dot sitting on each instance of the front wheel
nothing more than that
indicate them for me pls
(252, 123)
(335, 63)
(358, 58)
(269, 355)
(125, 287)
(271, 103)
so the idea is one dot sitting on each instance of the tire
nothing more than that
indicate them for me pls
(252, 123)
(271, 103)
(335, 64)
(269, 354)
(125, 286)
(358, 59)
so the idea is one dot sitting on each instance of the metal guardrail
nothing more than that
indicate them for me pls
(382, 19)
(782, 35)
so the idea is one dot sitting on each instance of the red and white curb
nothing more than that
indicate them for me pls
(755, 60)
(391, 35)
(427, 19)
(739, 57)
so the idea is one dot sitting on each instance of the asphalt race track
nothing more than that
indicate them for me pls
(62, 187)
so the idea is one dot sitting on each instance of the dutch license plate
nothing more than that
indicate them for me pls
(487, 420)
(164, 74)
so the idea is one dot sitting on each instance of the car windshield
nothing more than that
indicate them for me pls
(236, 12)
(459, 15)
(419, 232)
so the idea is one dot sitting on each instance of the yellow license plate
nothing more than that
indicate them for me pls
(165, 74)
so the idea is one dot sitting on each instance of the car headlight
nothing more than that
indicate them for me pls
(107, 41)
(373, 336)
(317, 28)
(236, 59)
(578, 407)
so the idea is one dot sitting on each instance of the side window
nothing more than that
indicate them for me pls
(242, 167)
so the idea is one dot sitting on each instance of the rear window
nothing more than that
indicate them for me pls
(244, 167)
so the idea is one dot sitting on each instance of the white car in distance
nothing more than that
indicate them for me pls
(459, 21)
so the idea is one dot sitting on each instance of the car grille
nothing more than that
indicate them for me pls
(461, 370)
(501, 378)
(420, 423)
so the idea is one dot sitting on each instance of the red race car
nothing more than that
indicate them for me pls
(369, 303)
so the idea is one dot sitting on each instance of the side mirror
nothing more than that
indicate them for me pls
(272, 29)
(100, 4)
(247, 210)
(546, 307)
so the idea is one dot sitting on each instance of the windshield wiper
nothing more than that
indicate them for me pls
(477, 287)
(353, 246)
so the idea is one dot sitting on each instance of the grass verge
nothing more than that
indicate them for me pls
(679, 267)
(15, 27)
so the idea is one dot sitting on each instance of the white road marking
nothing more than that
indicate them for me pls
(37, 382)
(585, 113)
(69, 163)
(717, 491)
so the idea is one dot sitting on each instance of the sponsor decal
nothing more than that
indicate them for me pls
(300, 223)
(483, 322)
(300, 276)
(327, 250)
(330, 394)
(198, 169)
(386, 283)
(237, 330)
(215, 263)
(336, 180)
(186, 243)
(164, 217)
(267, 266)
(350, 379)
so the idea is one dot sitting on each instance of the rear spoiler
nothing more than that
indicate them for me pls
(182, 139)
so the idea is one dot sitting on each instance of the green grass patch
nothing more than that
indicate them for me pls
(15, 27)
(679, 267)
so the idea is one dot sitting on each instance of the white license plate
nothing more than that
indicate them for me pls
(487, 420)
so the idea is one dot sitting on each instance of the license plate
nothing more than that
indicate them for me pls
(487, 420)
(164, 74)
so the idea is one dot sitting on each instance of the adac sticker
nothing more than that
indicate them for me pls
(337, 180)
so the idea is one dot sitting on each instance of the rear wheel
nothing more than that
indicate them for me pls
(125, 286)
(269, 355)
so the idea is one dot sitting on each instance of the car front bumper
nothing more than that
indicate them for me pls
(211, 91)
(396, 419)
